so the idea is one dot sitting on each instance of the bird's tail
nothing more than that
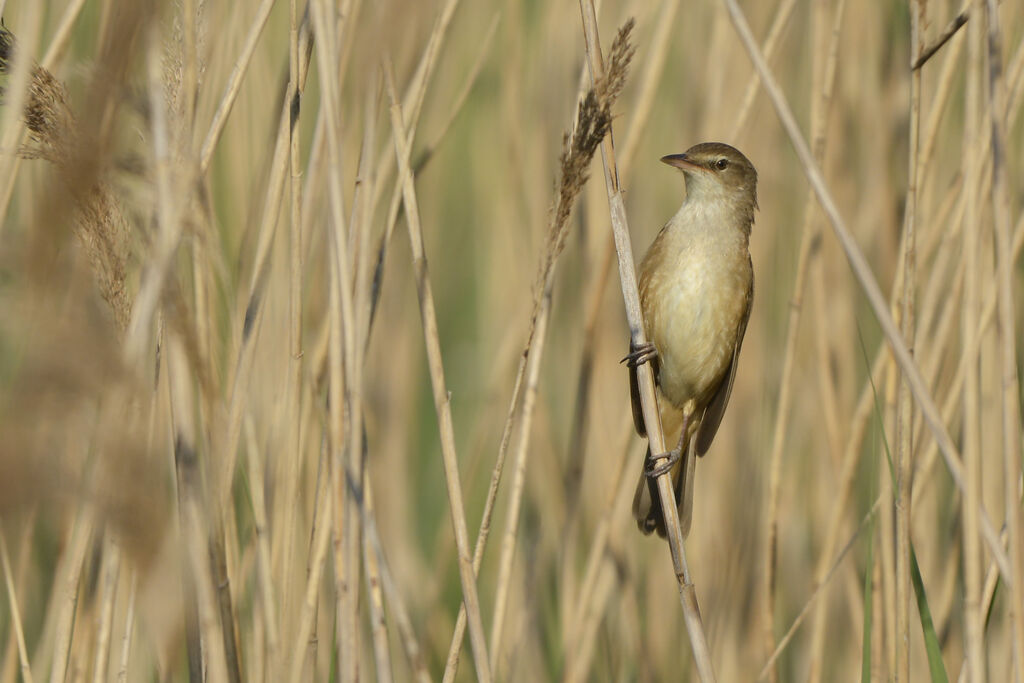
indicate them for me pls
(647, 509)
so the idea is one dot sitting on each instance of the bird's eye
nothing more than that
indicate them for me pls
(721, 164)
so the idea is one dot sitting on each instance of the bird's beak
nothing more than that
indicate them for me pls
(681, 161)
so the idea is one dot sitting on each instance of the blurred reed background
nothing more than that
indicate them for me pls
(212, 313)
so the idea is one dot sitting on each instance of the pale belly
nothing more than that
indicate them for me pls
(693, 312)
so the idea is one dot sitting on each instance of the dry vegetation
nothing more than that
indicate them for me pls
(298, 337)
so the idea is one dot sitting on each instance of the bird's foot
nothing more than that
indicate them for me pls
(653, 470)
(640, 354)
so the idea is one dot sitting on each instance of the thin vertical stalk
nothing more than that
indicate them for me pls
(442, 401)
(639, 116)
(867, 281)
(111, 567)
(307, 616)
(12, 599)
(290, 465)
(452, 662)
(519, 460)
(771, 44)
(69, 575)
(904, 403)
(645, 375)
(1009, 379)
(821, 97)
(974, 650)
(234, 84)
(129, 631)
(346, 368)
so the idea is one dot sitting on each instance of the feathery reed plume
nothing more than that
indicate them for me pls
(98, 220)
(593, 121)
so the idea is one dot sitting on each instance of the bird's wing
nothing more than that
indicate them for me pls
(646, 269)
(634, 399)
(716, 408)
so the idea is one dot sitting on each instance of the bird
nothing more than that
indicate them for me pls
(696, 292)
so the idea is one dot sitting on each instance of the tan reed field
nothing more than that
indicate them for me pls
(309, 347)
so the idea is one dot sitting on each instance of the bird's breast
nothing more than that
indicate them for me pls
(695, 285)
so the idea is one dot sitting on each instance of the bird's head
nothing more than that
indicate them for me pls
(718, 172)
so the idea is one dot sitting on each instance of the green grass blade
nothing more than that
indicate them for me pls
(931, 640)
(869, 571)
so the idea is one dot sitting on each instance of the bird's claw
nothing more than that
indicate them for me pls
(654, 470)
(640, 354)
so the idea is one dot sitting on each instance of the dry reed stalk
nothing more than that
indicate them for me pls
(361, 218)
(592, 124)
(250, 315)
(936, 291)
(508, 539)
(627, 276)
(974, 651)
(359, 246)
(938, 288)
(109, 574)
(412, 102)
(214, 650)
(24, 547)
(69, 573)
(411, 645)
(573, 476)
(233, 85)
(788, 636)
(650, 77)
(378, 625)
(846, 478)
(972, 347)
(292, 396)
(771, 42)
(442, 401)
(583, 625)
(821, 97)
(885, 483)
(202, 534)
(942, 92)
(904, 408)
(12, 599)
(343, 322)
(181, 81)
(413, 650)
(318, 555)
(266, 602)
(427, 153)
(936, 283)
(379, 579)
(924, 53)
(988, 595)
(452, 660)
(867, 282)
(827, 380)
(1008, 372)
(62, 36)
(412, 106)
(129, 631)
(346, 431)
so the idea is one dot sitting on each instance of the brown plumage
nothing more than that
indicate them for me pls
(696, 290)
